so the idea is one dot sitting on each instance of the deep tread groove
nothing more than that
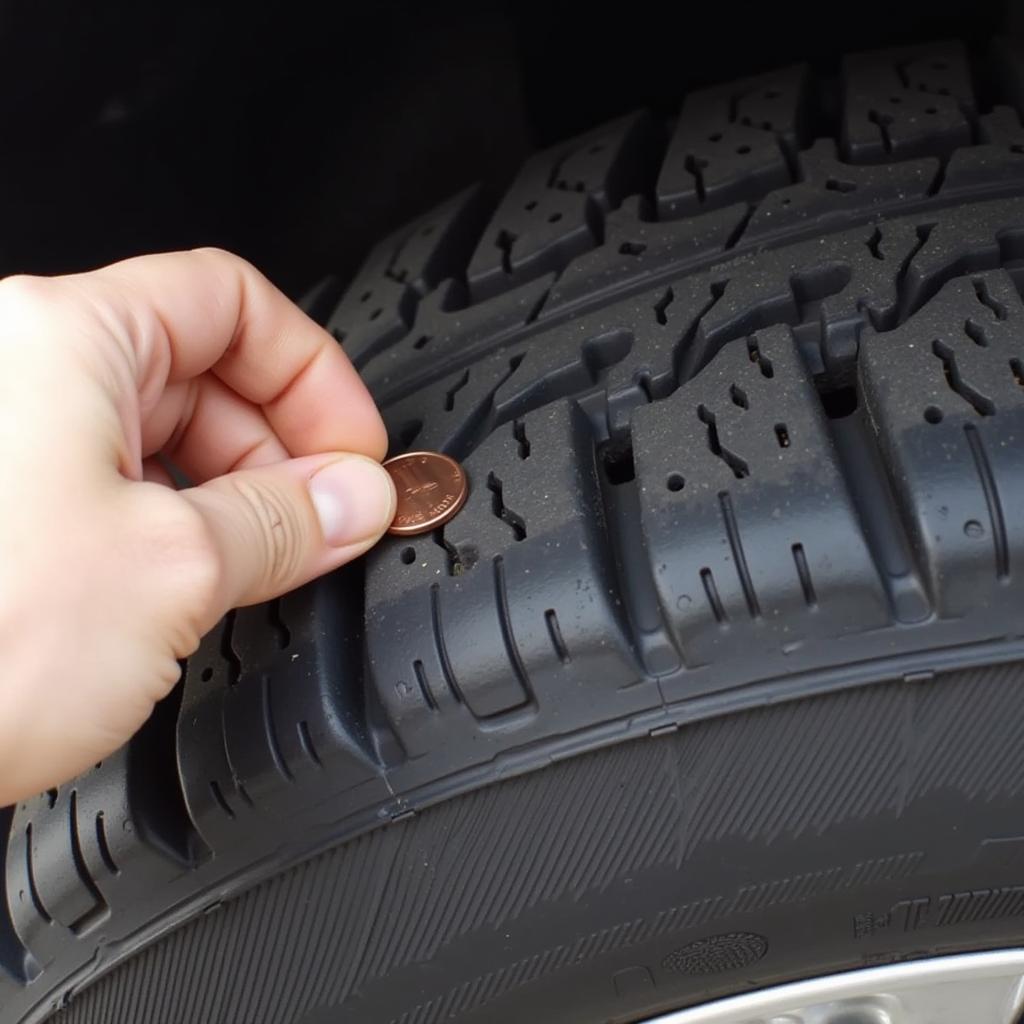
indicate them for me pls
(883, 121)
(449, 395)
(740, 230)
(981, 404)
(661, 306)
(104, 847)
(227, 650)
(803, 571)
(306, 742)
(875, 245)
(33, 890)
(880, 515)
(218, 796)
(421, 679)
(732, 531)
(619, 496)
(739, 466)
(270, 730)
(281, 631)
(100, 907)
(557, 640)
(995, 506)
(522, 442)
(505, 242)
(695, 166)
(439, 643)
(707, 578)
(456, 561)
(505, 621)
(739, 396)
(976, 333)
(764, 364)
(986, 299)
(515, 522)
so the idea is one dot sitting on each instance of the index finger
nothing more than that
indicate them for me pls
(188, 312)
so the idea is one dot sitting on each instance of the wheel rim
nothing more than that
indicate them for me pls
(980, 988)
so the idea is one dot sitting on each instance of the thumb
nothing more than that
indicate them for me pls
(277, 527)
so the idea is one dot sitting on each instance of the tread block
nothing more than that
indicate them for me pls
(79, 853)
(987, 236)
(635, 246)
(733, 143)
(830, 191)
(444, 331)
(379, 305)
(268, 708)
(999, 160)
(498, 568)
(739, 463)
(953, 441)
(906, 102)
(826, 290)
(553, 210)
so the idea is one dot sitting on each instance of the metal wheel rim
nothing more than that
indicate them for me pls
(970, 988)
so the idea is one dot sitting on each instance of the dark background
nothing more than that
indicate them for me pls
(298, 133)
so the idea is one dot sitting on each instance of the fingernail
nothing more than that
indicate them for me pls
(353, 500)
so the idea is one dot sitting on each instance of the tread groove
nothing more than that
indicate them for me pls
(78, 859)
(981, 404)
(281, 632)
(103, 845)
(738, 465)
(732, 531)
(270, 730)
(804, 572)
(306, 742)
(218, 796)
(881, 516)
(439, 643)
(505, 620)
(30, 874)
(424, 685)
(995, 506)
(707, 578)
(557, 640)
(515, 522)
(227, 650)
(661, 306)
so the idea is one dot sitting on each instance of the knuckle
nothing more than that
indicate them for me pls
(196, 557)
(279, 530)
(225, 257)
(24, 293)
(185, 567)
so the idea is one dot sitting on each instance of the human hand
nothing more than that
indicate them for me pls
(109, 575)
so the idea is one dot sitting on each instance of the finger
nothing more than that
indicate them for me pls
(154, 472)
(217, 432)
(276, 527)
(186, 313)
(162, 420)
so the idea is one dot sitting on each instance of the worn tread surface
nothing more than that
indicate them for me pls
(741, 401)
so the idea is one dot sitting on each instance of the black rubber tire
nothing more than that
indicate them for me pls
(716, 679)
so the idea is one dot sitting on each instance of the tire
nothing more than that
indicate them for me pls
(714, 682)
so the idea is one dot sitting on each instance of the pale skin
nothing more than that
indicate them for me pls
(109, 575)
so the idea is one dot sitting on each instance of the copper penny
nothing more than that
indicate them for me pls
(431, 489)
